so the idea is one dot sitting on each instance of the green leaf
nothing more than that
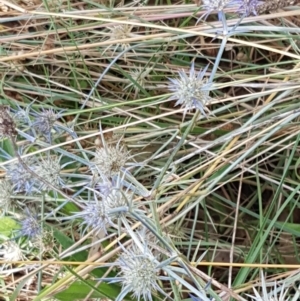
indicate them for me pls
(79, 290)
(290, 227)
(67, 242)
(7, 225)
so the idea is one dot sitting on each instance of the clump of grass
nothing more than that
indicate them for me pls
(99, 164)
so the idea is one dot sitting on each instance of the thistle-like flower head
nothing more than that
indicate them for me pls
(106, 208)
(116, 195)
(10, 251)
(247, 7)
(94, 216)
(191, 92)
(139, 272)
(49, 169)
(44, 122)
(20, 178)
(111, 159)
(116, 198)
(30, 226)
(23, 181)
(44, 242)
(119, 34)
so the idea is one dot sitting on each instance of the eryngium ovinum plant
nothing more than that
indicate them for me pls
(111, 205)
(20, 184)
(37, 124)
(139, 270)
(112, 160)
(191, 91)
(47, 166)
(146, 265)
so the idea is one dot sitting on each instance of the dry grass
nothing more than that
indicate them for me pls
(221, 190)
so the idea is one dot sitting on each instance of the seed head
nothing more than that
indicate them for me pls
(116, 198)
(191, 92)
(10, 251)
(139, 273)
(49, 169)
(7, 125)
(116, 203)
(111, 159)
(45, 121)
(121, 32)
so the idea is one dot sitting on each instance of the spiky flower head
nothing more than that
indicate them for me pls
(119, 34)
(49, 169)
(215, 5)
(23, 181)
(191, 92)
(20, 178)
(103, 186)
(44, 122)
(139, 272)
(10, 251)
(115, 194)
(30, 226)
(21, 117)
(94, 216)
(7, 125)
(111, 159)
(122, 31)
(5, 194)
(111, 201)
(248, 7)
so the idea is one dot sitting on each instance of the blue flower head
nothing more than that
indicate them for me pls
(215, 6)
(23, 181)
(44, 122)
(30, 226)
(95, 216)
(247, 7)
